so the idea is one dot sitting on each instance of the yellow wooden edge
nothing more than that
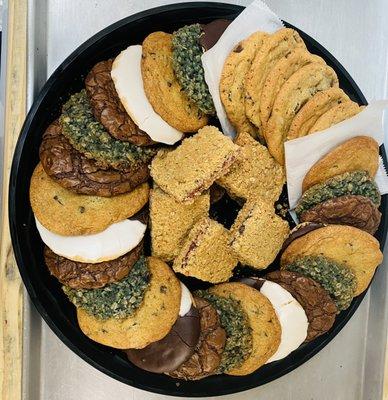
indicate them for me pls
(11, 288)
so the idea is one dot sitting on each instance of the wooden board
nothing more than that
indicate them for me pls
(11, 288)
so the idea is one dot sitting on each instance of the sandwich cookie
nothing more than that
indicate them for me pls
(319, 307)
(116, 300)
(345, 246)
(80, 275)
(107, 108)
(74, 171)
(113, 242)
(207, 354)
(89, 137)
(177, 346)
(128, 81)
(162, 88)
(263, 323)
(66, 213)
(152, 320)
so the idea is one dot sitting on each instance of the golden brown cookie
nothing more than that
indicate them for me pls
(266, 330)
(279, 75)
(336, 114)
(257, 174)
(162, 88)
(360, 153)
(151, 322)
(192, 167)
(356, 249)
(299, 88)
(313, 109)
(258, 234)
(69, 214)
(275, 47)
(171, 221)
(206, 253)
(232, 87)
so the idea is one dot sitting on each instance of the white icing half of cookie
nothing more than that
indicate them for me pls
(115, 241)
(292, 318)
(186, 300)
(128, 81)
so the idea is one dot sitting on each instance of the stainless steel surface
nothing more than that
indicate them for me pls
(351, 366)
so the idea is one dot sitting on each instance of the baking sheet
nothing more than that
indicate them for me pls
(351, 366)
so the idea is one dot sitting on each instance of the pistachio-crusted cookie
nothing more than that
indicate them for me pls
(336, 114)
(69, 214)
(360, 153)
(313, 109)
(299, 88)
(162, 87)
(352, 247)
(232, 82)
(187, 64)
(192, 167)
(257, 174)
(90, 137)
(278, 76)
(264, 324)
(72, 170)
(275, 47)
(258, 233)
(234, 320)
(348, 183)
(152, 320)
(107, 107)
(337, 279)
(171, 221)
(206, 254)
(116, 300)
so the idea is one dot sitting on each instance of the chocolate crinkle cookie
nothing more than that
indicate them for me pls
(107, 108)
(207, 354)
(82, 175)
(319, 307)
(79, 275)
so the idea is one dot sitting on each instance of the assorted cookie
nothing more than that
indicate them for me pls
(135, 142)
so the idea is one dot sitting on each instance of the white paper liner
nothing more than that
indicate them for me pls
(256, 17)
(303, 153)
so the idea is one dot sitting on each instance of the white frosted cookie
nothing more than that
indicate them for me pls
(115, 241)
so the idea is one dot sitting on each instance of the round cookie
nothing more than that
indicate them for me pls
(360, 153)
(335, 115)
(153, 319)
(78, 275)
(207, 354)
(313, 109)
(89, 137)
(262, 319)
(349, 183)
(356, 249)
(72, 170)
(357, 211)
(63, 212)
(107, 107)
(162, 88)
(299, 88)
(232, 89)
(274, 48)
(316, 302)
(278, 76)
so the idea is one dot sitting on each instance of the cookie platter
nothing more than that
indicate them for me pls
(103, 357)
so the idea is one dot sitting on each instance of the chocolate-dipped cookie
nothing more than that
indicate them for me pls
(212, 32)
(169, 353)
(316, 302)
(207, 355)
(82, 175)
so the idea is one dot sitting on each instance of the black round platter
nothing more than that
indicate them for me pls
(45, 291)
